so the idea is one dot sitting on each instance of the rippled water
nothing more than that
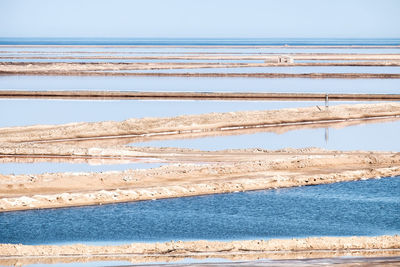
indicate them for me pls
(368, 208)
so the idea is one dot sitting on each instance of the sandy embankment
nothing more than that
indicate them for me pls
(68, 67)
(19, 192)
(190, 62)
(121, 143)
(327, 75)
(154, 95)
(234, 250)
(226, 171)
(198, 123)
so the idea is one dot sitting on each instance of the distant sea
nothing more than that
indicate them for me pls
(196, 41)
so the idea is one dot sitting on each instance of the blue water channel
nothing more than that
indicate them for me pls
(367, 208)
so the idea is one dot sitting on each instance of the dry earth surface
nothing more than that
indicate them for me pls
(187, 124)
(381, 246)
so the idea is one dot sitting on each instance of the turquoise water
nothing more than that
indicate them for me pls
(367, 208)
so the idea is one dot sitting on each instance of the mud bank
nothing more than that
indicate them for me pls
(232, 250)
(188, 124)
(52, 190)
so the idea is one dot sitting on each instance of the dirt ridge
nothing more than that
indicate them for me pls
(203, 246)
(203, 122)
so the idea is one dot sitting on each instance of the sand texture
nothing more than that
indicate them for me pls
(187, 172)
(266, 171)
(381, 246)
(187, 124)
(192, 61)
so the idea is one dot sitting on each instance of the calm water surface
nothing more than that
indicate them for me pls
(52, 167)
(294, 70)
(66, 111)
(200, 49)
(374, 136)
(202, 84)
(369, 208)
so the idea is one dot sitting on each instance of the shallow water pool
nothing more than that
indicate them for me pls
(53, 167)
(372, 136)
(22, 112)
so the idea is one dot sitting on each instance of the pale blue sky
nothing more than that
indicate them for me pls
(201, 18)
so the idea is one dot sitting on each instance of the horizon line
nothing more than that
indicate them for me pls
(164, 37)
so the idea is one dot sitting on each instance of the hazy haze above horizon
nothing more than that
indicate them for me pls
(201, 19)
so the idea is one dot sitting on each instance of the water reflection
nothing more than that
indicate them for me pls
(277, 259)
(203, 84)
(54, 167)
(294, 70)
(356, 137)
(66, 111)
